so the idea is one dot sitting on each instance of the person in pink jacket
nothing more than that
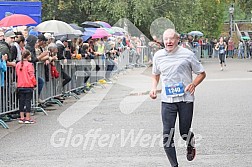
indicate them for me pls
(26, 82)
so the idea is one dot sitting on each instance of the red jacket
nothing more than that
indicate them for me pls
(25, 77)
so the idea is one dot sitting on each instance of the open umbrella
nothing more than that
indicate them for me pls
(89, 31)
(75, 34)
(103, 24)
(55, 26)
(76, 27)
(245, 38)
(100, 33)
(85, 38)
(90, 24)
(109, 30)
(19, 28)
(16, 20)
(195, 33)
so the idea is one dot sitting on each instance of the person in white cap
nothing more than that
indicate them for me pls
(49, 37)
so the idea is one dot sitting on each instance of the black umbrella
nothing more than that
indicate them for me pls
(90, 24)
(76, 27)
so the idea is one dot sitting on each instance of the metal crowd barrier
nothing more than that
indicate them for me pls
(143, 51)
(197, 51)
(52, 87)
(123, 60)
(76, 69)
(206, 51)
(9, 96)
(8, 102)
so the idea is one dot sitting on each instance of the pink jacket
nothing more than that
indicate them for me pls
(26, 77)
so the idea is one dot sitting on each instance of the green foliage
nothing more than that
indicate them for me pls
(239, 13)
(187, 15)
(246, 6)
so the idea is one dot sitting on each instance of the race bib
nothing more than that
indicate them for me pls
(222, 51)
(175, 90)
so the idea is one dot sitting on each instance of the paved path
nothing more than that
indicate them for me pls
(113, 128)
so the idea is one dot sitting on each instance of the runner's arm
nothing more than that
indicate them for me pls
(217, 46)
(155, 80)
(191, 87)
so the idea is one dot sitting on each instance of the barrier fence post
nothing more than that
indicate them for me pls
(35, 97)
(76, 69)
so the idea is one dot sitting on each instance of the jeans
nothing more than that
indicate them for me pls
(231, 53)
(241, 53)
(40, 85)
(169, 113)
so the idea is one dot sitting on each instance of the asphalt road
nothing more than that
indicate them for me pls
(116, 127)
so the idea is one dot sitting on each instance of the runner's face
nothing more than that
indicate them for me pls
(170, 40)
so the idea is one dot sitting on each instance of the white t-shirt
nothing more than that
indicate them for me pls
(174, 68)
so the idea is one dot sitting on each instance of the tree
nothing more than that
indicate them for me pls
(246, 6)
(206, 16)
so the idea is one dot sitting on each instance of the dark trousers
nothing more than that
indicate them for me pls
(110, 67)
(222, 58)
(169, 114)
(25, 97)
(66, 78)
(87, 70)
(40, 84)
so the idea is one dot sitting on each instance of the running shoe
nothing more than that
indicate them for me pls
(191, 152)
(29, 121)
(21, 121)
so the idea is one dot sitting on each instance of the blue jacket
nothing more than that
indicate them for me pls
(3, 68)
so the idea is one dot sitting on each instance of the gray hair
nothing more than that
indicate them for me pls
(52, 46)
(171, 30)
